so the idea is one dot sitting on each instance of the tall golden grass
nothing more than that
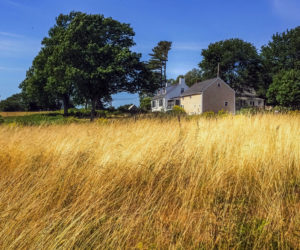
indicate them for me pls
(232, 182)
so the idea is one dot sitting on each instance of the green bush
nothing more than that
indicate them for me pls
(40, 119)
(222, 113)
(208, 114)
(85, 113)
(249, 111)
(1, 119)
(177, 110)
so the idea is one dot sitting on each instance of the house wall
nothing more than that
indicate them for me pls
(169, 92)
(244, 102)
(214, 98)
(158, 108)
(192, 104)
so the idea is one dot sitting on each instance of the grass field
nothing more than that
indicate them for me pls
(231, 182)
(15, 114)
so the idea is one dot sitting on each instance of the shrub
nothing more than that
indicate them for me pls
(223, 113)
(250, 111)
(1, 119)
(208, 114)
(177, 110)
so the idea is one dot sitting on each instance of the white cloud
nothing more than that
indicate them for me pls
(287, 9)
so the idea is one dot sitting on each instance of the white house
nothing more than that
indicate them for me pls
(168, 96)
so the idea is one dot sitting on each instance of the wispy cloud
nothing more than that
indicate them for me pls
(14, 69)
(187, 46)
(7, 34)
(287, 9)
(16, 45)
(13, 3)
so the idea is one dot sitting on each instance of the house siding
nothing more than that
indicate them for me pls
(192, 104)
(168, 93)
(214, 98)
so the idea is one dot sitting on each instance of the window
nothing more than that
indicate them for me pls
(226, 104)
(153, 104)
(182, 90)
(160, 102)
(177, 102)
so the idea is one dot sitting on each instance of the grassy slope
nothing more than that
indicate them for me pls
(231, 182)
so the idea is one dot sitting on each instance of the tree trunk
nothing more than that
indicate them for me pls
(165, 69)
(161, 76)
(66, 104)
(93, 111)
(86, 104)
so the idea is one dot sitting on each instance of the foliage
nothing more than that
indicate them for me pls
(239, 63)
(285, 89)
(281, 54)
(208, 114)
(1, 119)
(230, 183)
(193, 76)
(104, 64)
(223, 113)
(124, 108)
(58, 66)
(13, 103)
(40, 119)
(178, 110)
(158, 61)
(86, 58)
(145, 104)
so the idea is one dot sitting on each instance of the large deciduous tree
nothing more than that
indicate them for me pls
(281, 53)
(58, 67)
(285, 89)
(102, 62)
(51, 77)
(239, 63)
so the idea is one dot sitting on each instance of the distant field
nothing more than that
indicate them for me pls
(231, 182)
(10, 114)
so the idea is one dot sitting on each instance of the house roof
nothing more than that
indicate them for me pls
(168, 89)
(159, 96)
(199, 87)
(248, 93)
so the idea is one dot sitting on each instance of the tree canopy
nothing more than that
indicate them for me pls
(86, 58)
(239, 63)
(285, 89)
(193, 76)
(281, 53)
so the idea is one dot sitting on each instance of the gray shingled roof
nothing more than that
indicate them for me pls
(199, 87)
(169, 89)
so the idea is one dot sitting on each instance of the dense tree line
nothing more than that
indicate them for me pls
(87, 58)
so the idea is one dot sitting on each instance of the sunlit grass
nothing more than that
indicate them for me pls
(232, 182)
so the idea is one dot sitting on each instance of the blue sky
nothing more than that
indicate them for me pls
(190, 24)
